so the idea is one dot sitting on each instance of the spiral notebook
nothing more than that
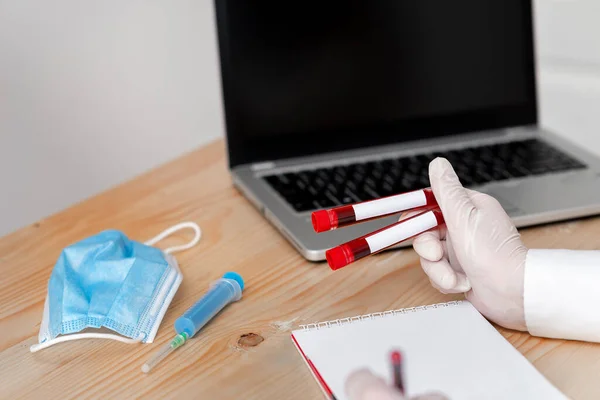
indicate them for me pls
(448, 347)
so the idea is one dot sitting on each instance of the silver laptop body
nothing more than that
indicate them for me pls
(271, 57)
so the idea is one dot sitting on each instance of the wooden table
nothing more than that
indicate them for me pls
(283, 291)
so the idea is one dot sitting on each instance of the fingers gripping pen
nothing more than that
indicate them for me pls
(339, 217)
(222, 292)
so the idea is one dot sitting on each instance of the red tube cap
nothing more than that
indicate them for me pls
(337, 258)
(321, 221)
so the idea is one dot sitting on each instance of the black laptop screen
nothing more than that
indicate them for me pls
(306, 77)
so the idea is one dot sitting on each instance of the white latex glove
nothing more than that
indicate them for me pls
(479, 253)
(363, 385)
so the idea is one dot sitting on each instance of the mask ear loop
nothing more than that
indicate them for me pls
(173, 229)
(89, 335)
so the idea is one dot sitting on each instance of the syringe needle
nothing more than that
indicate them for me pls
(156, 358)
(177, 341)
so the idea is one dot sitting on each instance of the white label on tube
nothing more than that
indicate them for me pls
(389, 205)
(400, 232)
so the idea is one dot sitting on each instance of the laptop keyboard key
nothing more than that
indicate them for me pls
(314, 192)
(306, 176)
(339, 179)
(499, 173)
(481, 177)
(387, 189)
(347, 200)
(302, 206)
(332, 197)
(323, 203)
(332, 188)
(424, 181)
(352, 194)
(516, 171)
(302, 185)
(278, 181)
(540, 169)
(370, 182)
(319, 183)
(377, 173)
(341, 171)
(465, 178)
(369, 194)
(323, 175)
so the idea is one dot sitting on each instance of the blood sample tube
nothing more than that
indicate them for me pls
(374, 242)
(338, 217)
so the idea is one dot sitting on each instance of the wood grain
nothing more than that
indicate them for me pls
(283, 291)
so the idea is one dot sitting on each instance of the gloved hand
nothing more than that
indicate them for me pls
(479, 252)
(363, 385)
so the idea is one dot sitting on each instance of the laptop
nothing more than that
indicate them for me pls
(335, 102)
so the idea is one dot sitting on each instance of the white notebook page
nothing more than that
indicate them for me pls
(451, 349)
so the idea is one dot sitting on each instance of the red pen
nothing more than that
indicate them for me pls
(396, 359)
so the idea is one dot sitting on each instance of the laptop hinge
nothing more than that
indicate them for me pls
(262, 166)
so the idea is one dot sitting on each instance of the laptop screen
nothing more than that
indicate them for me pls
(308, 77)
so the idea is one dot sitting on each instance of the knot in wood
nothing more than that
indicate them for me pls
(250, 340)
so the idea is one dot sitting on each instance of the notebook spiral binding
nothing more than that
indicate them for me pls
(350, 320)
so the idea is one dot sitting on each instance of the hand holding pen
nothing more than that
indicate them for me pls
(363, 385)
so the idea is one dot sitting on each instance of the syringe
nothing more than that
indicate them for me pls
(222, 292)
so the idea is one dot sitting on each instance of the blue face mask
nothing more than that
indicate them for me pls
(109, 281)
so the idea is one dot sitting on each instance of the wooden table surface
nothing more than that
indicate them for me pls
(283, 291)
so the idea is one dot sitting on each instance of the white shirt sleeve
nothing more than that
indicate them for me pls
(562, 294)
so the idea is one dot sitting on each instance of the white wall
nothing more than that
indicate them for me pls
(568, 35)
(93, 93)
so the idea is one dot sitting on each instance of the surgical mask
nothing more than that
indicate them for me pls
(109, 281)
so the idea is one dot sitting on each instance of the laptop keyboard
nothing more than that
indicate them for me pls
(313, 189)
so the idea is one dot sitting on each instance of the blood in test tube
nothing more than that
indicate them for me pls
(347, 253)
(338, 217)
